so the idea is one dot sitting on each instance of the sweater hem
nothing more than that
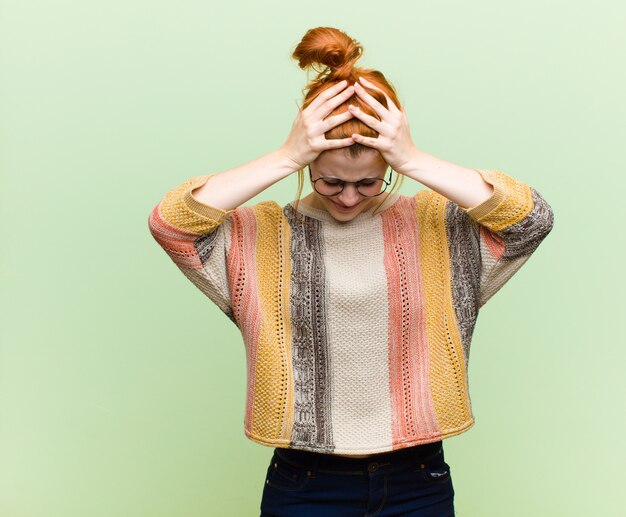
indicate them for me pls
(282, 443)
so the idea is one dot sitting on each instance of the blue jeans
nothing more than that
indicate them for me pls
(411, 482)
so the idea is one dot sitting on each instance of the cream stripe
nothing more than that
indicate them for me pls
(357, 336)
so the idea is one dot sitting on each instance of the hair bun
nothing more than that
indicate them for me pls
(330, 47)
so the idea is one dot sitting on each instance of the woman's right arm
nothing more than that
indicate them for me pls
(196, 231)
(307, 139)
(192, 221)
(232, 188)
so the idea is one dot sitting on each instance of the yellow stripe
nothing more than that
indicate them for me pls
(447, 363)
(510, 202)
(180, 209)
(273, 404)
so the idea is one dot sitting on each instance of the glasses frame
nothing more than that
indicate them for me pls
(356, 184)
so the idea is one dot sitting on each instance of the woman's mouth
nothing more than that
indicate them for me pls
(342, 208)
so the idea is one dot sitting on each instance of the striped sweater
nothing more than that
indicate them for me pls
(357, 334)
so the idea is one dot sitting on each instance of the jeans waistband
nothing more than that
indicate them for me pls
(390, 460)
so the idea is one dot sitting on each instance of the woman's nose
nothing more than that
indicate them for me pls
(349, 195)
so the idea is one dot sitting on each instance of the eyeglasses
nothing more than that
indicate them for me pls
(368, 187)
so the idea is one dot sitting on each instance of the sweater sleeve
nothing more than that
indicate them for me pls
(506, 229)
(196, 237)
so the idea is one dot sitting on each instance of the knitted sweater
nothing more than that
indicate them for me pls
(357, 334)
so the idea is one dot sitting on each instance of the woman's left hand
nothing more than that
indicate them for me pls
(394, 137)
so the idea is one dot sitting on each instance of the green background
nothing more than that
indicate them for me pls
(122, 387)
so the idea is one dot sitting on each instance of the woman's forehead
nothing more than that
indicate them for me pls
(343, 166)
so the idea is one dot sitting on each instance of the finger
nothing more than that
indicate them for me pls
(335, 120)
(365, 140)
(336, 143)
(376, 106)
(327, 94)
(369, 84)
(372, 122)
(333, 102)
(390, 104)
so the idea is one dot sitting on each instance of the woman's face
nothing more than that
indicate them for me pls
(338, 164)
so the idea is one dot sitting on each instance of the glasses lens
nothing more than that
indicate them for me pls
(371, 187)
(327, 187)
(368, 188)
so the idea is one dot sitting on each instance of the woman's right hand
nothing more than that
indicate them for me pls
(307, 138)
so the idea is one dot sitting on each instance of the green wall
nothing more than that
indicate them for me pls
(122, 387)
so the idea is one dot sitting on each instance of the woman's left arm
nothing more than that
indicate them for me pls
(505, 218)
(466, 187)
(489, 211)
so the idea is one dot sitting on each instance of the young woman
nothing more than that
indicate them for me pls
(356, 304)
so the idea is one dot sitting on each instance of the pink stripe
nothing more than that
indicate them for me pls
(177, 243)
(241, 260)
(413, 413)
(494, 243)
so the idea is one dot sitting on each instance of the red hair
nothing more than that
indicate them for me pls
(338, 53)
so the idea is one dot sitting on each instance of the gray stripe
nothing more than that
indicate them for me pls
(312, 399)
(463, 239)
(523, 238)
(476, 275)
